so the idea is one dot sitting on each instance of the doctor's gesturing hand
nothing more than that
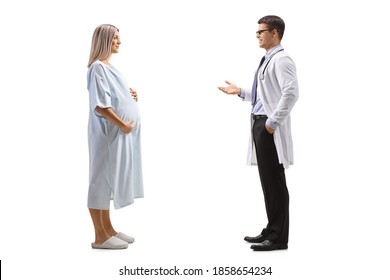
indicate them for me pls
(233, 89)
(230, 89)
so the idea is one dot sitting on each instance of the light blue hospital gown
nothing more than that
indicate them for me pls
(115, 168)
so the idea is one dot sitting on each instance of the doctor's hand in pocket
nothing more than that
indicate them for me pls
(269, 129)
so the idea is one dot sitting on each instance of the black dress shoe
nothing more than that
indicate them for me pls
(257, 239)
(268, 246)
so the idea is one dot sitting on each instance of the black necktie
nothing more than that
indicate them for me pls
(254, 86)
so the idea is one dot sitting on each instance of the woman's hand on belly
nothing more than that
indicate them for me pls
(127, 127)
(134, 94)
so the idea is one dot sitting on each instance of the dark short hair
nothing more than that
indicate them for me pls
(274, 22)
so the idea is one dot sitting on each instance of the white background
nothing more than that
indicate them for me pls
(200, 198)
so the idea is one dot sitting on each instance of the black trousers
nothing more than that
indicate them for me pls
(273, 182)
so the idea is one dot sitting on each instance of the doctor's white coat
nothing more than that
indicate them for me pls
(278, 91)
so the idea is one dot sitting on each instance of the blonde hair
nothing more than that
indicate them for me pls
(101, 42)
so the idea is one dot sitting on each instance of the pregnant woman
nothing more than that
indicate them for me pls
(115, 169)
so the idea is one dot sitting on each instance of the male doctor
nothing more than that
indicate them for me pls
(273, 95)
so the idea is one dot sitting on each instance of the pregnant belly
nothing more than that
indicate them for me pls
(128, 111)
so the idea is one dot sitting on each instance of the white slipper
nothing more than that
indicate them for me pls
(124, 237)
(111, 243)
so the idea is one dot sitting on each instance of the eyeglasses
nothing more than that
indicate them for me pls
(261, 31)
